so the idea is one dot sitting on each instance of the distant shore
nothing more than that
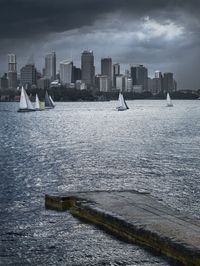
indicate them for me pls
(74, 95)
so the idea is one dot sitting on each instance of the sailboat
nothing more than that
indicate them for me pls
(25, 104)
(122, 105)
(52, 101)
(169, 101)
(38, 105)
(49, 104)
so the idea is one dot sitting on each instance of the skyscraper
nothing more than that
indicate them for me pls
(157, 83)
(50, 66)
(106, 70)
(87, 68)
(28, 75)
(168, 82)
(139, 75)
(12, 71)
(128, 84)
(133, 71)
(116, 72)
(4, 81)
(158, 74)
(76, 74)
(104, 83)
(66, 72)
(120, 82)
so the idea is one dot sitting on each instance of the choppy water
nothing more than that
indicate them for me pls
(90, 146)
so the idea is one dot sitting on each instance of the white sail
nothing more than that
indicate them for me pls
(29, 104)
(52, 101)
(37, 103)
(121, 103)
(23, 103)
(169, 102)
(42, 107)
(47, 101)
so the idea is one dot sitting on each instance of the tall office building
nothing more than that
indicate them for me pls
(158, 74)
(157, 86)
(12, 71)
(168, 82)
(120, 82)
(28, 75)
(4, 81)
(66, 72)
(139, 75)
(76, 73)
(142, 77)
(50, 66)
(87, 68)
(116, 72)
(128, 84)
(133, 71)
(106, 70)
(104, 83)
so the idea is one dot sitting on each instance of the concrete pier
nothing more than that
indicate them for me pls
(137, 217)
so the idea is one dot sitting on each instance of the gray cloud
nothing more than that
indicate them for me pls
(169, 39)
(24, 18)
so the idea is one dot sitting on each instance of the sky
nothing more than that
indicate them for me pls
(162, 35)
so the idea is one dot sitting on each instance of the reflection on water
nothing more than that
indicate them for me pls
(90, 146)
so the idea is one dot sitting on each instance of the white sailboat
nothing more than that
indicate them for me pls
(38, 105)
(169, 101)
(25, 104)
(122, 105)
(49, 104)
(52, 101)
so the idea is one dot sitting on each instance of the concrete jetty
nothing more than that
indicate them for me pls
(137, 217)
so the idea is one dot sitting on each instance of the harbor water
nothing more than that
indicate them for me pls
(86, 146)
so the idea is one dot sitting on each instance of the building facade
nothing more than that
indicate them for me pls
(104, 83)
(128, 84)
(28, 75)
(50, 66)
(106, 70)
(139, 75)
(116, 72)
(12, 71)
(43, 83)
(120, 82)
(4, 81)
(76, 74)
(87, 68)
(66, 72)
(168, 82)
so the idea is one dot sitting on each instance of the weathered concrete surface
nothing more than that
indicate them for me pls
(137, 217)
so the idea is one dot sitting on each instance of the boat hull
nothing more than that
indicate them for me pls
(121, 109)
(25, 110)
(39, 109)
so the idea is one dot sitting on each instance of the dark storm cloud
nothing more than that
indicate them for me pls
(26, 18)
(162, 34)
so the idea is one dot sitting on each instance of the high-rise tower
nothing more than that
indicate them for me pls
(168, 82)
(87, 68)
(66, 72)
(12, 71)
(106, 70)
(116, 72)
(28, 75)
(139, 75)
(50, 66)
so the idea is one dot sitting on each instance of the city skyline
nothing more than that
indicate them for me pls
(134, 79)
(162, 35)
